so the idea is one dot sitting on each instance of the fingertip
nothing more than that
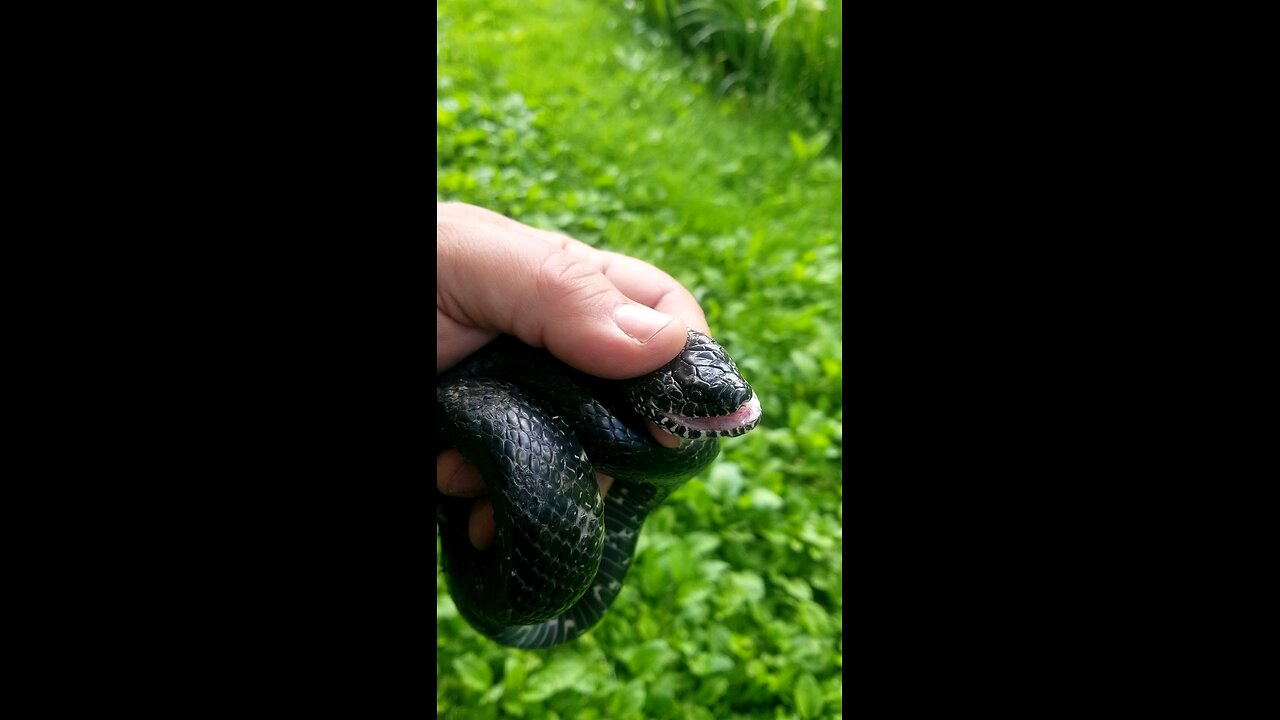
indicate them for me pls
(605, 482)
(664, 438)
(480, 527)
(662, 343)
(652, 339)
(457, 477)
(682, 305)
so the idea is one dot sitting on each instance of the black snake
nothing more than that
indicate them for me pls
(538, 431)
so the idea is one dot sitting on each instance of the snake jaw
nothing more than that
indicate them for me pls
(738, 422)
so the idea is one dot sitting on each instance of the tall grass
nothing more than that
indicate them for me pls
(788, 52)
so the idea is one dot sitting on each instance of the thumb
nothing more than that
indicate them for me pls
(550, 298)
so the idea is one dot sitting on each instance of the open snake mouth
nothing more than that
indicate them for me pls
(735, 423)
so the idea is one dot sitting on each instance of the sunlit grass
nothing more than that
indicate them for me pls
(561, 114)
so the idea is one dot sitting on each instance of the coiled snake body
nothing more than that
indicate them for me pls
(538, 431)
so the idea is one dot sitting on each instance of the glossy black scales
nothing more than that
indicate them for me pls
(538, 431)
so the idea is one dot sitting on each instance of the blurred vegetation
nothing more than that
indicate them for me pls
(565, 115)
(787, 52)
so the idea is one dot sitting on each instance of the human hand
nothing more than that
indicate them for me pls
(604, 313)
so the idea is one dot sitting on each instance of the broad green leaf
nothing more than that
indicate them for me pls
(808, 696)
(628, 701)
(797, 588)
(712, 689)
(513, 673)
(652, 578)
(804, 362)
(818, 143)
(725, 481)
(470, 137)
(747, 585)
(650, 658)
(691, 711)
(473, 671)
(559, 674)
(445, 609)
(680, 561)
(701, 543)
(798, 145)
(762, 498)
(492, 695)
(709, 664)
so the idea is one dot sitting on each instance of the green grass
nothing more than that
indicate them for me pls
(559, 114)
(787, 52)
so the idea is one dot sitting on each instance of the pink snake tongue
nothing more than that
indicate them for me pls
(743, 416)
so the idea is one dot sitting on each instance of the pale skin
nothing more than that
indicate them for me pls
(603, 313)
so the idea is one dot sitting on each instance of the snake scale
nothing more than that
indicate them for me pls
(538, 431)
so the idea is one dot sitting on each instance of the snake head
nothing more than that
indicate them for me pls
(698, 394)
